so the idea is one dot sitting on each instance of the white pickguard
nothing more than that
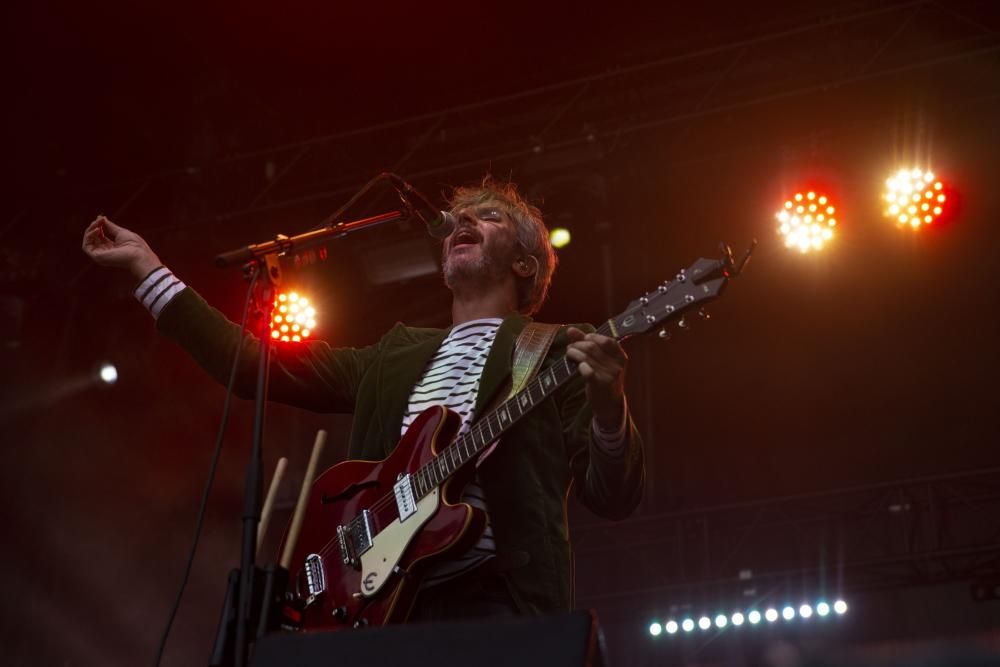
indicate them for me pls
(388, 546)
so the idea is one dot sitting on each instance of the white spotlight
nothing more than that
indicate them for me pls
(671, 627)
(108, 373)
(738, 619)
(687, 625)
(822, 609)
(704, 622)
(805, 611)
(655, 629)
(721, 620)
(788, 613)
(840, 607)
(754, 617)
(771, 615)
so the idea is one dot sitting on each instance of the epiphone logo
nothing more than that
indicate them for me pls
(369, 582)
(628, 321)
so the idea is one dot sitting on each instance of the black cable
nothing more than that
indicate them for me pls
(211, 473)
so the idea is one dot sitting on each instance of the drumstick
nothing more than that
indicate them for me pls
(272, 491)
(300, 507)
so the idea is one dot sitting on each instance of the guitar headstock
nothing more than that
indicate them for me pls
(691, 289)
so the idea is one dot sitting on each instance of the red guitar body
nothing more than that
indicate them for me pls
(380, 584)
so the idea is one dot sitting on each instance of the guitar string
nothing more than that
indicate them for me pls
(385, 500)
(333, 545)
(572, 369)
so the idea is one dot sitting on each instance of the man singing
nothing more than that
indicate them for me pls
(498, 264)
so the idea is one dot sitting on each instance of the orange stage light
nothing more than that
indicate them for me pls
(913, 198)
(807, 221)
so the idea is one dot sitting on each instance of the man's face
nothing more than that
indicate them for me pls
(482, 247)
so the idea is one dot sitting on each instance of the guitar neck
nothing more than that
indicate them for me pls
(495, 424)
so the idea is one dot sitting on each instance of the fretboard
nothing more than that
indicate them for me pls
(495, 424)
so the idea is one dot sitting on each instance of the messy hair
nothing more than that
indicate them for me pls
(532, 234)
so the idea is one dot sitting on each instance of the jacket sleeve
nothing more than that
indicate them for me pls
(309, 375)
(609, 485)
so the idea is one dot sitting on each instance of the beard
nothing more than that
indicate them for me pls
(473, 269)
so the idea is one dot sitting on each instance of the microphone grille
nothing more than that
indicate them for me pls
(443, 226)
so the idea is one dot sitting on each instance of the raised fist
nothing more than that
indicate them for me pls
(110, 245)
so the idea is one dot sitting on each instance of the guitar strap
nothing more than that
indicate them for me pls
(529, 351)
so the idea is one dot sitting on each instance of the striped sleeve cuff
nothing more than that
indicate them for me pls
(157, 290)
(611, 442)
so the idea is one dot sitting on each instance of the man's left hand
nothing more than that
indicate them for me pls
(602, 364)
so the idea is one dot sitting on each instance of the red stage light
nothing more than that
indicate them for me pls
(293, 318)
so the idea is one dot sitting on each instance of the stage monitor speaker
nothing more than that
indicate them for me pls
(564, 640)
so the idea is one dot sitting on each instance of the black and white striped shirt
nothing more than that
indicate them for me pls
(451, 379)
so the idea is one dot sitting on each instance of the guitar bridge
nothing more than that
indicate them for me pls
(315, 577)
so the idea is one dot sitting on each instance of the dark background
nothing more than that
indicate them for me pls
(652, 135)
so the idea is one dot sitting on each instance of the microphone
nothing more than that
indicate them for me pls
(439, 223)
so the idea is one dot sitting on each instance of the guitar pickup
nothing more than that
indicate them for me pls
(355, 538)
(406, 503)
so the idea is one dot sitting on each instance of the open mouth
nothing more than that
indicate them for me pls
(464, 237)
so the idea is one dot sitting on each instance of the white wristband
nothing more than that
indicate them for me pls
(157, 290)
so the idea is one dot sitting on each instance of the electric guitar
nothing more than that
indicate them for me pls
(371, 529)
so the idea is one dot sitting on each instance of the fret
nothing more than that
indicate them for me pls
(418, 485)
(547, 380)
(440, 463)
(523, 402)
(465, 445)
(488, 427)
(503, 415)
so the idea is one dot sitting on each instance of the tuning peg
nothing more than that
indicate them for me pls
(664, 334)
(683, 324)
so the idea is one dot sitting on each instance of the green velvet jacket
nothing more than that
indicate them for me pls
(526, 479)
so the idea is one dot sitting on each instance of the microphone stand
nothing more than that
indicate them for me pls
(261, 260)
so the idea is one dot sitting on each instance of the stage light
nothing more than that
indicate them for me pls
(560, 237)
(737, 619)
(671, 627)
(913, 197)
(822, 609)
(771, 615)
(655, 629)
(805, 611)
(840, 607)
(704, 622)
(807, 223)
(293, 319)
(687, 625)
(754, 617)
(108, 373)
(788, 613)
(721, 621)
